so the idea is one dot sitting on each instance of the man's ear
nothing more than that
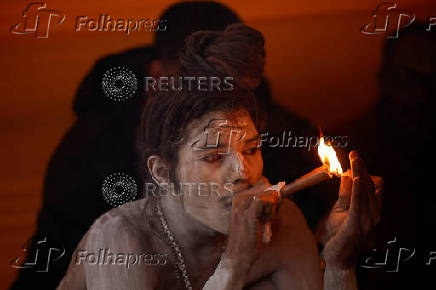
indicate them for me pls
(158, 169)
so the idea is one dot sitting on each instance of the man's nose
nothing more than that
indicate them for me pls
(239, 168)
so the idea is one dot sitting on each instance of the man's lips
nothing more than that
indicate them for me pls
(235, 190)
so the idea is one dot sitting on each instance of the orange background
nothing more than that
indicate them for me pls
(318, 63)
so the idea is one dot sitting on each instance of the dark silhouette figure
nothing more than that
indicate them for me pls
(396, 141)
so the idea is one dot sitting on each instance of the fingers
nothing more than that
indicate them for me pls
(364, 210)
(256, 207)
(262, 180)
(260, 186)
(344, 199)
(359, 214)
(260, 203)
(358, 167)
(242, 200)
(356, 199)
(366, 185)
(378, 186)
(258, 200)
(264, 205)
(378, 200)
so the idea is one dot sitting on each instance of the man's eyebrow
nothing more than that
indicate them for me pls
(207, 147)
(253, 138)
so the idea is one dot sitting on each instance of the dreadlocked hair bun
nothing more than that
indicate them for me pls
(238, 51)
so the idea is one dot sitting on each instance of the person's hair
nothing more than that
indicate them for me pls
(168, 113)
(182, 19)
(237, 51)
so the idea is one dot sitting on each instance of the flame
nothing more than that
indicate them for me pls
(328, 157)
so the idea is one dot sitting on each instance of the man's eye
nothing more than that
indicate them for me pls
(251, 151)
(212, 157)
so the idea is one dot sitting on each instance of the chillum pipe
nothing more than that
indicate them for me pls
(312, 178)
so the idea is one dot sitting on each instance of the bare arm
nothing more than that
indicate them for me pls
(338, 279)
(229, 275)
(296, 248)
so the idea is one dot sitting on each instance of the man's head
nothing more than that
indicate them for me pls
(205, 143)
(407, 81)
(203, 147)
(182, 19)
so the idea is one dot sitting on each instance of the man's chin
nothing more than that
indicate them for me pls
(223, 230)
(224, 226)
(219, 223)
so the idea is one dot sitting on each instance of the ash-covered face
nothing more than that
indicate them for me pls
(219, 157)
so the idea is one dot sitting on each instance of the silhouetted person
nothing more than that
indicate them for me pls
(396, 140)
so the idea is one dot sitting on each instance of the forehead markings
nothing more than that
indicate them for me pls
(221, 123)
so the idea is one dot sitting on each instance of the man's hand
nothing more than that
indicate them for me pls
(354, 215)
(251, 209)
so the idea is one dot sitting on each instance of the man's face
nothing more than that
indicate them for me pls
(219, 157)
(408, 89)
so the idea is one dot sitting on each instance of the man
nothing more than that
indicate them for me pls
(101, 141)
(212, 239)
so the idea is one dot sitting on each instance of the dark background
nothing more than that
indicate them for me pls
(319, 65)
